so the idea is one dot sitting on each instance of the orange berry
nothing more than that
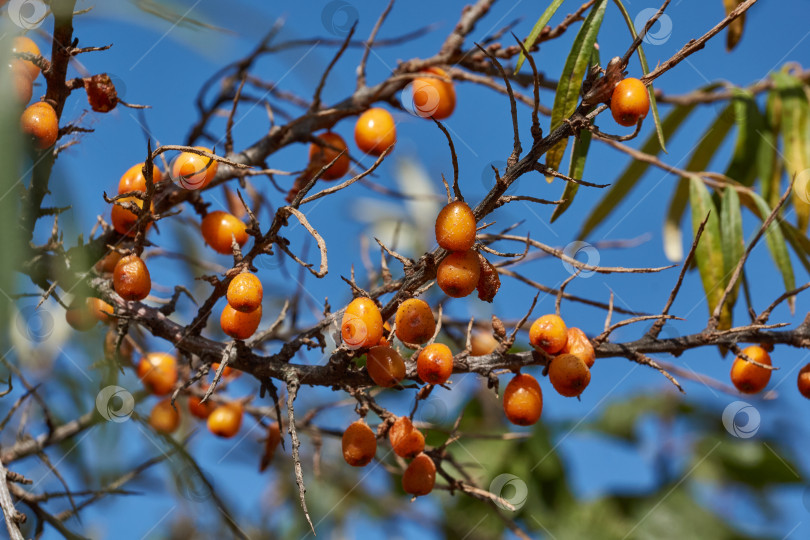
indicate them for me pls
(245, 292)
(420, 476)
(321, 156)
(435, 363)
(240, 325)
(406, 440)
(569, 375)
(218, 227)
(399, 429)
(386, 332)
(134, 180)
(124, 352)
(375, 131)
(548, 333)
(359, 444)
(385, 366)
(101, 310)
(578, 344)
(434, 97)
(131, 278)
(199, 409)
(630, 102)
(455, 227)
(458, 273)
(124, 220)
(750, 378)
(482, 343)
(23, 85)
(804, 381)
(107, 263)
(40, 121)
(23, 44)
(271, 442)
(193, 171)
(80, 316)
(164, 418)
(158, 372)
(226, 419)
(523, 400)
(414, 321)
(362, 324)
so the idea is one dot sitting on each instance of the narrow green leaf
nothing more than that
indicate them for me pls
(750, 126)
(731, 232)
(579, 151)
(538, 27)
(567, 96)
(735, 28)
(769, 162)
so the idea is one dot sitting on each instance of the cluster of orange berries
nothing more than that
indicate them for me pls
(242, 314)
(38, 120)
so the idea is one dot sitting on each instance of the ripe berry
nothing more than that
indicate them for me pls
(489, 281)
(23, 86)
(226, 419)
(523, 400)
(321, 156)
(124, 220)
(435, 363)
(455, 227)
(245, 292)
(359, 444)
(385, 366)
(458, 273)
(199, 409)
(406, 440)
(23, 44)
(131, 278)
(101, 310)
(134, 180)
(482, 343)
(40, 121)
(164, 418)
(548, 333)
(569, 375)
(271, 442)
(375, 131)
(414, 321)
(107, 263)
(434, 97)
(193, 171)
(804, 381)
(750, 378)
(124, 351)
(578, 344)
(630, 102)
(362, 324)
(158, 372)
(80, 316)
(218, 227)
(240, 325)
(420, 476)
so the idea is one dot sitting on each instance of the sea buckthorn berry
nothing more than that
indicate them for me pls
(271, 442)
(245, 292)
(375, 131)
(386, 332)
(124, 220)
(321, 156)
(569, 375)
(420, 476)
(124, 351)
(80, 316)
(101, 310)
(804, 381)
(23, 44)
(630, 102)
(23, 86)
(414, 321)
(458, 273)
(385, 366)
(482, 343)
(406, 440)
(39, 120)
(199, 409)
(489, 281)
(158, 372)
(362, 324)
(240, 325)
(359, 444)
(134, 180)
(523, 400)
(226, 420)
(750, 378)
(194, 171)
(435, 363)
(218, 227)
(455, 227)
(164, 418)
(433, 96)
(578, 344)
(107, 263)
(101, 93)
(131, 278)
(548, 333)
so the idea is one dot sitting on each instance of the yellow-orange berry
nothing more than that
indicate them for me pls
(226, 419)
(321, 156)
(193, 171)
(414, 321)
(359, 444)
(750, 378)
(219, 227)
(458, 273)
(131, 278)
(578, 344)
(630, 102)
(523, 400)
(435, 363)
(482, 343)
(23, 44)
(240, 325)
(245, 292)
(406, 440)
(39, 120)
(420, 476)
(158, 372)
(101, 310)
(107, 263)
(375, 131)
(134, 180)
(362, 324)
(23, 85)
(80, 316)
(199, 409)
(271, 442)
(569, 375)
(803, 381)
(548, 333)
(385, 366)
(433, 96)
(455, 227)
(164, 418)
(124, 220)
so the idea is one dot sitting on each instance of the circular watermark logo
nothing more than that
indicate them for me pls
(338, 17)
(35, 324)
(510, 489)
(580, 250)
(115, 404)
(191, 485)
(27, 14)
(331, 338)
(660, 32)
(741, 419)
(432, 410)
(354, 331)
(191, 173)
(420, 98)
(267, 261)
